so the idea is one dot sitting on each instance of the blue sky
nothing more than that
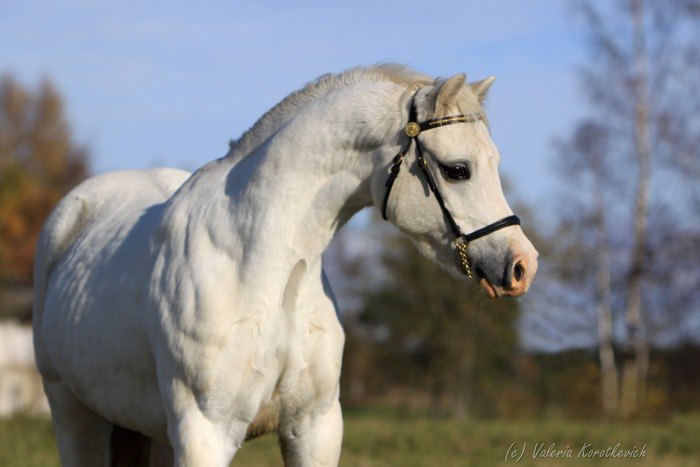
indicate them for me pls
(168, 83)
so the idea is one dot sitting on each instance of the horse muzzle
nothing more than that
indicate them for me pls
(515, 279)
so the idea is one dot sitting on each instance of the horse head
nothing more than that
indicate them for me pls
(450, 201)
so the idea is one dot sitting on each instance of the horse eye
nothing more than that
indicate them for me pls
(458, 171)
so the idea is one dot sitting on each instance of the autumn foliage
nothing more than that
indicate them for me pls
(39, 163)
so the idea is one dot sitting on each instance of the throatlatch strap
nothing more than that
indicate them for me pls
(395, 168)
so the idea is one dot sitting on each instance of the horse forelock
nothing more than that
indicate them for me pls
(283, 111)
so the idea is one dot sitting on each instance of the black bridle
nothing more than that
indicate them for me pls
(413, 129)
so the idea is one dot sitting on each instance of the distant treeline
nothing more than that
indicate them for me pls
(532, 385)
(422, 340)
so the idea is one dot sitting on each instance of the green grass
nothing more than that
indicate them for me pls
(27, 442)
(381, 438)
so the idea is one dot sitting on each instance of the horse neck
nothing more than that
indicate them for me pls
(284, 202)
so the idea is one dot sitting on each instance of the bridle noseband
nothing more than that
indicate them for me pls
(413, 129)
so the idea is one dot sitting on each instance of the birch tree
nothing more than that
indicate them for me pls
(644, 63)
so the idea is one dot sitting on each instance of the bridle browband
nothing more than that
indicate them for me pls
(412, 130)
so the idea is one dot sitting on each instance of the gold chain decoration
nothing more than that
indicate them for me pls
(463, 256)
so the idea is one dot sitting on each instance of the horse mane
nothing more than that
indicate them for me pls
(281, 113)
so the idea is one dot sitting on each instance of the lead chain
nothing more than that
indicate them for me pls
(464, 257)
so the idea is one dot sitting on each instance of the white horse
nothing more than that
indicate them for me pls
(193, 309)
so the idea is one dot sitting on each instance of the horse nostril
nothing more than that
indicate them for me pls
(518, 277)
(518, 271)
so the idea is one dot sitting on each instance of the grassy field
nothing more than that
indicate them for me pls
(378, 438)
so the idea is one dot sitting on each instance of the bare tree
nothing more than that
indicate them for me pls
(637, 351)
(583, 162)
(645, 126)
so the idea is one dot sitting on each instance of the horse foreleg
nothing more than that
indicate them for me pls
(199, 442)
(83, 437)
(314, 440)
(132, 449)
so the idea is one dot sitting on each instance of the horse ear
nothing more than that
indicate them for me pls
(448, 90)
(481, 88)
